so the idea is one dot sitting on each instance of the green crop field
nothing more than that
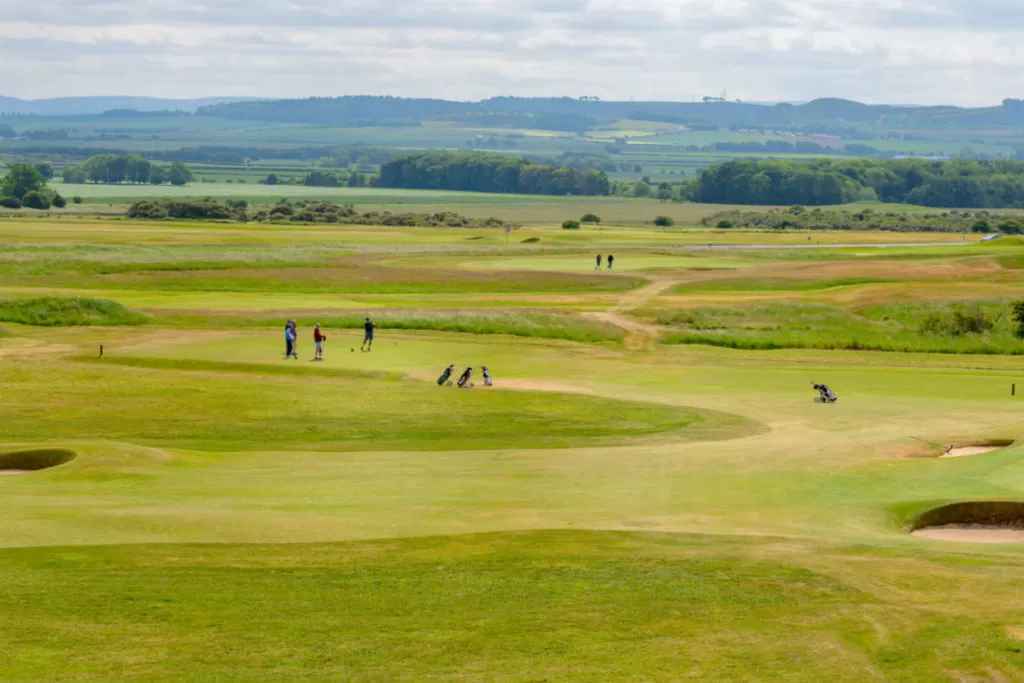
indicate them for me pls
(648, 492)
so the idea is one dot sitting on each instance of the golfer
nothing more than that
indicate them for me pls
(368, 328)
(598, 262)
(318, 338)
(290, 336)
(611, 260)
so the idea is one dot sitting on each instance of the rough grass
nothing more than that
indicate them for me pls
(55, 311)
(894, 327)
(517, 323)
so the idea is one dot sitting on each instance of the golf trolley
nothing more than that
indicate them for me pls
(825, 395)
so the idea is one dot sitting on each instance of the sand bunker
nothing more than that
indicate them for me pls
(976, 449)
(973, 522)
(23, 462)
(969, 450)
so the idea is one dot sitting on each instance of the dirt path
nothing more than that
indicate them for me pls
(640, 336)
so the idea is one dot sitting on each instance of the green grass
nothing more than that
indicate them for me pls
(191, 405)
(613, 508)
(530, 606)
(67, 311)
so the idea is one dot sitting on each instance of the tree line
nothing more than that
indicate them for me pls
(489, 173)
(128, 168)
(951, 184)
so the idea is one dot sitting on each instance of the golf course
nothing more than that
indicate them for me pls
(649, 490)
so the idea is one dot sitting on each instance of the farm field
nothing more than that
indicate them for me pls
(649, 490)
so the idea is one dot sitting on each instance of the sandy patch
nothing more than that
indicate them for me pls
(7, 473)
(972, 533)
(970, 450)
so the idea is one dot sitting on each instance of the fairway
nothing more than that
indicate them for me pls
(649, 491)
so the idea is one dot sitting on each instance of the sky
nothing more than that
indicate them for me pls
(963, 52)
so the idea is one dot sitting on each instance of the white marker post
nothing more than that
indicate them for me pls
(508, 229)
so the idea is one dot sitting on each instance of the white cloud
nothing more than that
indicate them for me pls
(922, 51)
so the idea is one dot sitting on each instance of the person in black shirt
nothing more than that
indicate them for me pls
(368, 328)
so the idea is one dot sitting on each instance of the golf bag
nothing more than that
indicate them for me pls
(445, 376)
(464, 382)
(825, 395)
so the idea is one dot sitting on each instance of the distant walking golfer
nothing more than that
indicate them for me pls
(598, 262)
(368, 328)
(611, 260)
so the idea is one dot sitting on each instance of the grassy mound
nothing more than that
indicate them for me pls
(35, 460)
(55, 311)
(206, 409)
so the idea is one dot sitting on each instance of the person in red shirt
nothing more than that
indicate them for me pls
(319, 338)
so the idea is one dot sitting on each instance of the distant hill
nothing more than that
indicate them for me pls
(346, 110)
(81, 106)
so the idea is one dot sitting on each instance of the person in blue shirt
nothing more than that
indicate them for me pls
(290, 336)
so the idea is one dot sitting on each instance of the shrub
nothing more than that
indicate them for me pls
(664, 222)
(590, 218)
(957, 321)
(1008, 227)
(1018, 317)
(10, 203)
(35, 200)
(76, 199)
(531, 240)
(59, 201)
(981, 226)
(724, 225)
(571, 225)
(147, 210)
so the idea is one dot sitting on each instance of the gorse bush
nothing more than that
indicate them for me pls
(590, 218)
(664, 222)
(958, 320)
(300, 212)
(53, 311)
(571, 225)
(865, 219)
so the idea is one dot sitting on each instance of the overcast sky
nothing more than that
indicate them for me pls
(966, 52)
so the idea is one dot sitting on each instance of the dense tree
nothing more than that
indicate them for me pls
(179, 174)
(489, 173)
(73, 175)
(122, 168)
(322, 179)
(952, 184)
(36, 200)
(45, 170)
(20, 180)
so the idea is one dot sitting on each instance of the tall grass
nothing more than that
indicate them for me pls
(53, 311)
(518, 323)
(924, 328)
